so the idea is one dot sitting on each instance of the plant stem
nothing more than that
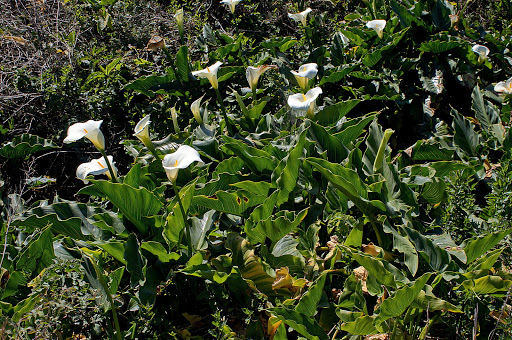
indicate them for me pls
(152, 149)
(187, 229)
(101, 279)
(223, 108)
(110, 169)
(377, 233)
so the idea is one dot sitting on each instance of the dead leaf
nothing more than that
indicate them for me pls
(155, 43)
(361, 274)
(283, 279)
(18, 40)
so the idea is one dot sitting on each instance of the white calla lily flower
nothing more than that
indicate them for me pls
(305, 72)
(504, 86)
(345, 41)
(253, 75)
(378, 26)
(95, 167)
(301, 16)
(231, 4)
(90, 130)
(141, 130)
(482, 52)
(180, 159)
(179, 16)
(210, 73)
(196, 110)
(305, 102)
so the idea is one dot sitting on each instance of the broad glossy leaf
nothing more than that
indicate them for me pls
(276, 226)
(484, 112)
(288, 176)
(135, 204)
(364, 325)
(376, 268)
(65, 218)
(175, 222)
(437, 46)
(158, 249)
(199, 228)
(397, 304)
(135, 261)
(182, 64)
(257, 160)
(332, 114)
(349, 183)
(488, 284)
(24, 145)
(37, 255)
(349, 134)
(308, 303)
(432, 303)
(436, 257)
(465, 136)
(337, 76)
(149, 85)
(303, 324)
(250, 266)
(235, 203)
(478, 246)
(336, 151)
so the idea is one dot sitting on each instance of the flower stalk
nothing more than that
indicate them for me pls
(185, 220)
(110, 169)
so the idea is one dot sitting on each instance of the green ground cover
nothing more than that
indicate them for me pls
(255, 170)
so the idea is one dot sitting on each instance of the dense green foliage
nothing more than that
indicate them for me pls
(371, 196)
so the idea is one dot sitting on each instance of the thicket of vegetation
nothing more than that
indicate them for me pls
(255, 169)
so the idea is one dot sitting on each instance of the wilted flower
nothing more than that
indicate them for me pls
(378, 26)
(305, 102)
(210, 73)
(180, 159)
(482, 52)
(90, 130)
(306, 72)
(231, 4)
(504, 86)
(95, 167)
(179, 16)
(253, 75)
(300, 16)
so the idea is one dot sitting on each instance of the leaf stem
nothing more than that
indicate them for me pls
(187, 229)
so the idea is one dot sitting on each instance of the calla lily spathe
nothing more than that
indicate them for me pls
(253, 75)
(378, 26)
(141, 130)
(210, 73)
(180, 159)
(344, 39)
(504, 86)
(301, 16)
(196, 110)
(482, 52)
(95, 167)
(90, 130)
(179, 16)
(305, 102)
(305, 72)
(231, 4)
